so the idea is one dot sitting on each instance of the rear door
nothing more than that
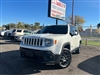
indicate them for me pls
(19, 32)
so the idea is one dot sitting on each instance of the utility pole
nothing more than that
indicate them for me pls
(75, 19)
(16, 24)
(91, 26)
(72, 12)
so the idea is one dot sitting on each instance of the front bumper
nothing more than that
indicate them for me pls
(39, 56)
(18, 38)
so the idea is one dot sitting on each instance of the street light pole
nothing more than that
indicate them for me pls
(72, 12)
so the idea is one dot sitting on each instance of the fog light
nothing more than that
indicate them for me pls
(49, 57)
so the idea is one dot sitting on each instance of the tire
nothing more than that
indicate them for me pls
(78, 50)
(65, 59)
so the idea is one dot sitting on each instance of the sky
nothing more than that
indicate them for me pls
(31, 11)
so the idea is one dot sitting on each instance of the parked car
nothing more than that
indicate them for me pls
(17, 32)
(52, 45)
(19, 37)
(7, 33)
(2, 33)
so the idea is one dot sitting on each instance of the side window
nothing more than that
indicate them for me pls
(25, 31)
(73, 30)
(29, 32)
(19, 30)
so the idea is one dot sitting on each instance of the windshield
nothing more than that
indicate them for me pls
(59, 29)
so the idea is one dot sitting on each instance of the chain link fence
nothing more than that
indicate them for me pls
(90, 35)
(90, 31)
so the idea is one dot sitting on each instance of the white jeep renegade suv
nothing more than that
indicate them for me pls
(53, 44)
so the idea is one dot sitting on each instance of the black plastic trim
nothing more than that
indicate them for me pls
(39, 55)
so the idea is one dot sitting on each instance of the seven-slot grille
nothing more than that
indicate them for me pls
(33, 41)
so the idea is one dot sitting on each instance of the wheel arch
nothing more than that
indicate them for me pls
(80, 42)
(67, 45)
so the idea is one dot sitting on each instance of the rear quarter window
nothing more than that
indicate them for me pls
(19, 30)
(25, 31)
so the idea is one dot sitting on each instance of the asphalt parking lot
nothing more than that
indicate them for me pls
(85, 63)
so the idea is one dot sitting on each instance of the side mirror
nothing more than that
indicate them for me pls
(74, 33)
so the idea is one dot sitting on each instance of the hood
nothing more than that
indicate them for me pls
(46, 35)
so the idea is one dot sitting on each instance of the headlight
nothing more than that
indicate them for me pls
(22, 39)
(48, 42)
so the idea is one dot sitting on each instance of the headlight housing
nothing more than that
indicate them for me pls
(22, 39)
(48, 42)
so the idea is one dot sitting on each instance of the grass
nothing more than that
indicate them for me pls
(91, 43)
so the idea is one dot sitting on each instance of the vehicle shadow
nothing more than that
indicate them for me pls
(91, 65)
(12, 63)
(9, 42)
(4, 38)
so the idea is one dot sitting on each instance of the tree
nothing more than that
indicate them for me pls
(78, 20)
(0, 28)
(11, 25)
(97, 31)
(80, 29)
(36, 25)
(27, 26)
(19, 25)
(98, 25)
(42, 26)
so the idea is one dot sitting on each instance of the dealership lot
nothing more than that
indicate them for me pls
(85, 63)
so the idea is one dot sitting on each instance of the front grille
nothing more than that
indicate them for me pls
(33, 41)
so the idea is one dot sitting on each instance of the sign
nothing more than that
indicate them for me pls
(56, 9)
